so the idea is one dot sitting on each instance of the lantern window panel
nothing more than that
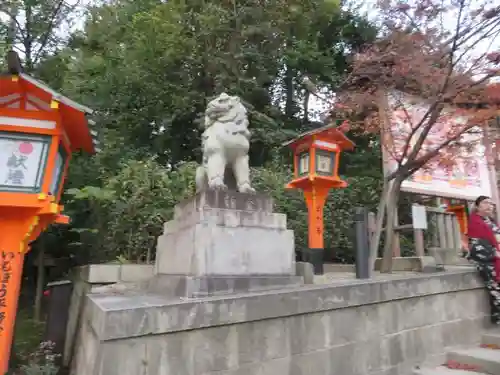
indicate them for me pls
(56, 183)
(325, 162)
(304, 162)
(23, 160)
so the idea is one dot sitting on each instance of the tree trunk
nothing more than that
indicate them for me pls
(40, 281)
(392, 206)
(12, 28)
(289, 92)
(375, 241)
(307, 96)
(28, 38)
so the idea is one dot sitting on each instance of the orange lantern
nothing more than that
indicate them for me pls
(316, 164)
(39, 130)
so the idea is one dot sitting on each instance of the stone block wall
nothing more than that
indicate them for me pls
(375, 328)
(87, 278)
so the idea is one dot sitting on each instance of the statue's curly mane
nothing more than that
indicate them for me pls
(224, 108)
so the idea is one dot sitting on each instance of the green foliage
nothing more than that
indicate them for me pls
(29, 356)
(132, 207)
(91, 193)
(42, 361)
(144, 196)
(150, 67)
(28, 334)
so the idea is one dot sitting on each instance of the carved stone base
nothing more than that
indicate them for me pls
(202, 286)
(226, 234)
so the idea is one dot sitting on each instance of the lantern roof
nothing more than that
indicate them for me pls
(79, 128)
(329, 133)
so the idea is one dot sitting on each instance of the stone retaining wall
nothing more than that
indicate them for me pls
(376, 328)
(87, 278)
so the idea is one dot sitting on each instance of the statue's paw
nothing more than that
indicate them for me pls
(217, 183)
(246, 188)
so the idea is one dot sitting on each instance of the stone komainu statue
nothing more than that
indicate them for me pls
(225, 143)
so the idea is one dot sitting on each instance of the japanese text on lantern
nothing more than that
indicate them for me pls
(17, 164)
(17, 167)
(22, 163)
(6, 270)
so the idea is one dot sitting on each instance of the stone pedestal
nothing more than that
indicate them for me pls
(221, 242)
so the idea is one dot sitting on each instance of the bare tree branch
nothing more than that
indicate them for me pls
(50, 30)
(13, 18)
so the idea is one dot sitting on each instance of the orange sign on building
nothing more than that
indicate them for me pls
(39, 130)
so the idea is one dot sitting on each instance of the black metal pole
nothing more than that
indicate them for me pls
(315, 257)
(362, 243)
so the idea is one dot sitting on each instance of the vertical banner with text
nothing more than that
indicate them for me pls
(11, 268)
(6, 272)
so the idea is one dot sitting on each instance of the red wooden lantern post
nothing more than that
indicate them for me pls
(39, 130)
(316, 164)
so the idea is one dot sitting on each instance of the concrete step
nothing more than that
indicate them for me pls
(441, 370)
(491, 338)
(486, 360)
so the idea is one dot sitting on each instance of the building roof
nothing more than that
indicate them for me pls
(79, 128)
(331, 131)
